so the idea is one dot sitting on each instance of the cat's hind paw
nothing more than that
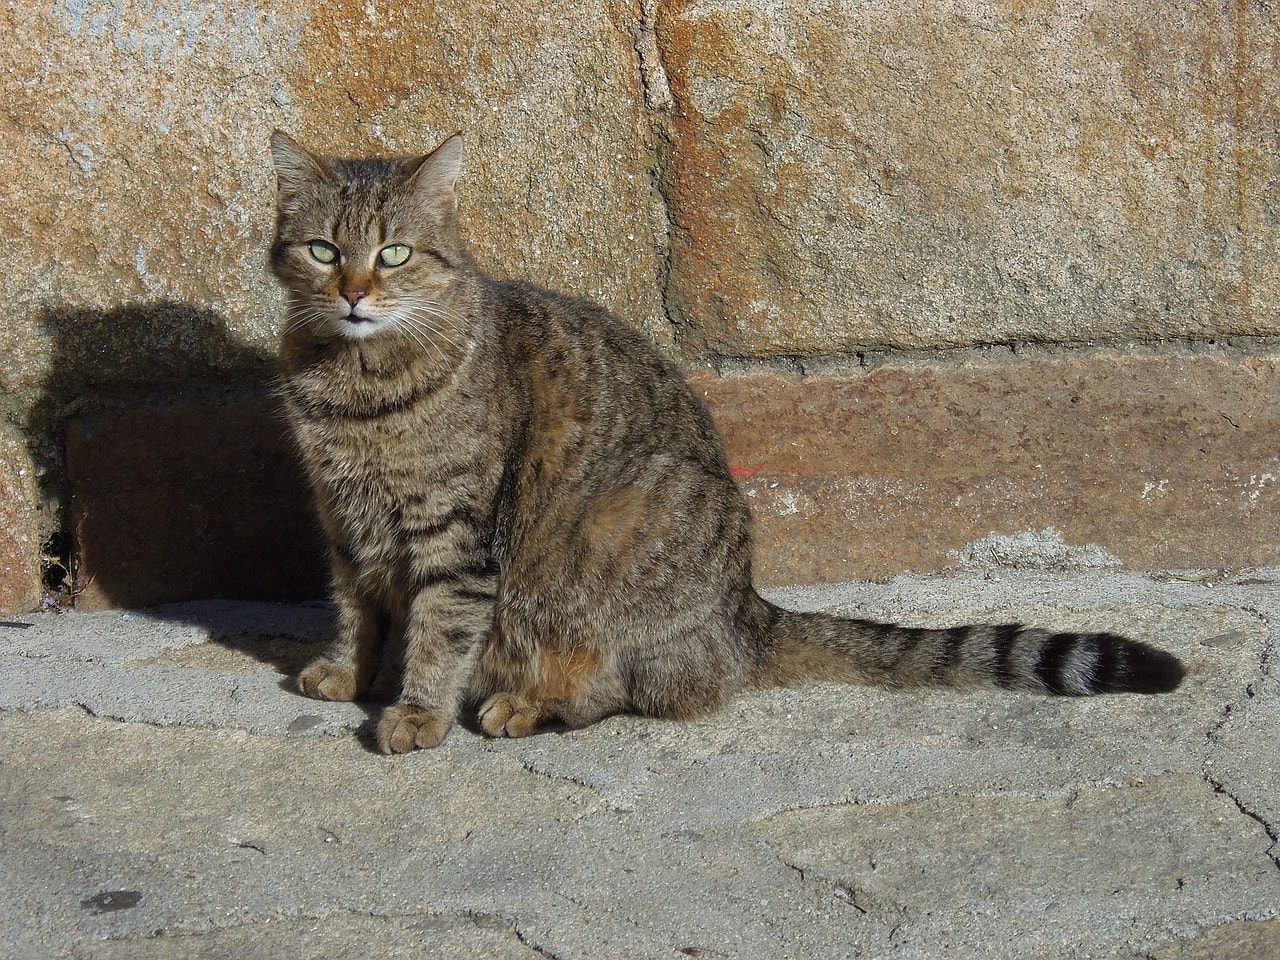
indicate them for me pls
(405, 727)
(328, 681)
(510, 715)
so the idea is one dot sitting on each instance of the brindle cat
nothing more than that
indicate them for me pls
(528, 510)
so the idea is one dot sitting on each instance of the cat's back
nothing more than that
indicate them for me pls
(619, 473)
(536, 323)
(586, 370)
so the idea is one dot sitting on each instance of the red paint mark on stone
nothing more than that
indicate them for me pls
(737, 470)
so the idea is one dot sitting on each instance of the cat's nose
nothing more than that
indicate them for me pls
(354, 295)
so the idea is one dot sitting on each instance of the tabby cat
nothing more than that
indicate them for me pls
(528, 512)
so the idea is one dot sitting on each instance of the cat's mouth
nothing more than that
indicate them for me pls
(357, 326)
(359, 316)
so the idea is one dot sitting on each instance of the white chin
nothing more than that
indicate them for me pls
(357, 329)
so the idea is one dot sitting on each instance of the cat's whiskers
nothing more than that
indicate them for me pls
(405, 325)
(432, 324)
(436, 310)
(431, 337)
(424, 322)
(301, 315)
(421, 317)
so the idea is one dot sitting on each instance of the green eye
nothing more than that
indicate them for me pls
(394, 255)
(323, 251)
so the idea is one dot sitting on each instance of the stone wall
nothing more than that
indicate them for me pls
(1014, 261)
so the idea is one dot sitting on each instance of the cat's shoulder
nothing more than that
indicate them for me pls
(527, 310)
(524, 299)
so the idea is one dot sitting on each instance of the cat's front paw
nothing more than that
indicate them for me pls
(328, 681)
(509, 715)
(405, 727)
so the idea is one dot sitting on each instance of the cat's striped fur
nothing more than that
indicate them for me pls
(527, 509)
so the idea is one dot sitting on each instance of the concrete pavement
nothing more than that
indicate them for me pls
(166, 794)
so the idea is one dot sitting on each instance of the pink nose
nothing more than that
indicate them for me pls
(353, 295)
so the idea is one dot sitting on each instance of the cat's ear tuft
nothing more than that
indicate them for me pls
(295, 166)
(434, 178)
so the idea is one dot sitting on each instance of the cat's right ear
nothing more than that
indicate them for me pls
(295, 166)
(435, 178)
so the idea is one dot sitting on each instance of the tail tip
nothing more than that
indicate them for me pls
(1150, 670)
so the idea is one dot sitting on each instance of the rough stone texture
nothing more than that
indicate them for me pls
(1170, 848)
(19, 544)
(1070, 463)
(1256, 940)
(736, 177)
(336, 937)
(178, 502)
(1238, 768)
(1161, 462)
(839, 178)
(925, 174)
(165, 792)
(341, 936)
(137, 170)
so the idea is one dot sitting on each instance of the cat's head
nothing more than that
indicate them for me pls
(367, 247)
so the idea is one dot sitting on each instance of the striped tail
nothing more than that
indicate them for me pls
(812, 647)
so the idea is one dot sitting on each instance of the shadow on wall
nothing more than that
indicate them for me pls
(168, 470)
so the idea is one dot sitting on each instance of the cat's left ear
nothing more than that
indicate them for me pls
(435, 177)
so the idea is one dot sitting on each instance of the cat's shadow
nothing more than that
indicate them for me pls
(249, 636)
(164, 465)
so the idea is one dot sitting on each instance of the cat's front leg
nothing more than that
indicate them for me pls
(450, 618)
(348, 667)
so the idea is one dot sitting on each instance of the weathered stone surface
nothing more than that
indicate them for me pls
(19, 544)
(1109, 859)
(1112, 460)
(1245, 772)
(160, 763)
(136, 167)
(1161, 462)
(173, 503)
(920, 175)
(340, 936)
(806, 181)
(1247, 940)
